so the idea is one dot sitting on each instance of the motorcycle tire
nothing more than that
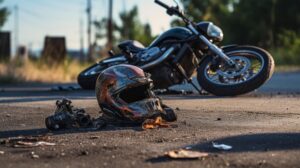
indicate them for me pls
(219, 89)
(88, 82)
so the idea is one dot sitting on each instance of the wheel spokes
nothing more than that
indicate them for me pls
(249, 64)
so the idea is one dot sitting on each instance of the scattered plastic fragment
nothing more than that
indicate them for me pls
(94, 137)
(84, 153)
(186, 154)
(221, 146)
(22, 144)
(65, 88)
(34, 156)
(172, 92)
(188, 148)
(28, 142)
(155, 123)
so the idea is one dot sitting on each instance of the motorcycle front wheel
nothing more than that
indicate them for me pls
(254, 66)
(87, 78)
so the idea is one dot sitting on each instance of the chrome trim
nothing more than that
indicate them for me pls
(159, 60)
(215, 32)
(193, 29)
(216, 50)
(117, 59)
(211, 46)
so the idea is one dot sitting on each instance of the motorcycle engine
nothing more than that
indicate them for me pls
(150, 54)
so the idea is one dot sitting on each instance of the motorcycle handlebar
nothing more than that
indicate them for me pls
(162, 4)
(173, 11)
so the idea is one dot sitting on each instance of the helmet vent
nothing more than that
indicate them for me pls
(135, 94)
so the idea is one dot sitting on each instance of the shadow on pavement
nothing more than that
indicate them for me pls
(44, 131)
(34, 96)
(255, 143)
(246, 143)
(49, 98)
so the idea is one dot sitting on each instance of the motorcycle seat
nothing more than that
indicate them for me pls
(131, 46)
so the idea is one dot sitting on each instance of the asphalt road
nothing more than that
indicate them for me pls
(283, 83)
(262, 127)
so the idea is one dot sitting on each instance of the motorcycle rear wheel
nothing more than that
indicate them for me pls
(256, 66)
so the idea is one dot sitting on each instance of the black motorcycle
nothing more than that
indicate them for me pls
(177, 53)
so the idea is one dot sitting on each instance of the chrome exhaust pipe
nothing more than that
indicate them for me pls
(159, 60)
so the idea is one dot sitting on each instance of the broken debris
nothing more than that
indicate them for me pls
(94, 137)
(66, 116)
(221, 146)
(172, 92)
(186, 154)
(155, 123)
(34, 156)
(65, 88)
(28, 142)
(22, 144)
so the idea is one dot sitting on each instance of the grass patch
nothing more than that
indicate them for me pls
(287, 68)
(36, 71)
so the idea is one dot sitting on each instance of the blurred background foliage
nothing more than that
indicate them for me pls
(130, 27)
(3, 15)
(271, 24)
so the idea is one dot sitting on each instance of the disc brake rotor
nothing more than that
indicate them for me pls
(243, 65)
(248, 65)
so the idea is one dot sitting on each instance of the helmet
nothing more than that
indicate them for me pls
(124, 92)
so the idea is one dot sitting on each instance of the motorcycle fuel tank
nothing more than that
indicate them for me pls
(177, 33)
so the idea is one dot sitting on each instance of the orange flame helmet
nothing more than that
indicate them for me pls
(124, 92)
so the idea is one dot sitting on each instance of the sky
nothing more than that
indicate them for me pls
(40, 18)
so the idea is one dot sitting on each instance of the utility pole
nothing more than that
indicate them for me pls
(81, 40)
(16, 8)
(110, 26)
(89, 28)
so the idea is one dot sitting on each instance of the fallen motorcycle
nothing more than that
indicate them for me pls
(177, 53)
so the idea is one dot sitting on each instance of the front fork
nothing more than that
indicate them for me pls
(215, 49)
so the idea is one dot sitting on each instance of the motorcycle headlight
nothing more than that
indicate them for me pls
(215, 32)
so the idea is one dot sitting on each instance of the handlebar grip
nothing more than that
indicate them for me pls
(162, 4)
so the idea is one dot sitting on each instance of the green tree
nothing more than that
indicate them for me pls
(252, 22)
(264, 22)
(249, 21)
(3, 15)
(101, 29)
(132, 28)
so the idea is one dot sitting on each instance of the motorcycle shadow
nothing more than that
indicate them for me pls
(264, 142)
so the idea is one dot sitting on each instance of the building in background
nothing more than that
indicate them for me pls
(5, 46)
